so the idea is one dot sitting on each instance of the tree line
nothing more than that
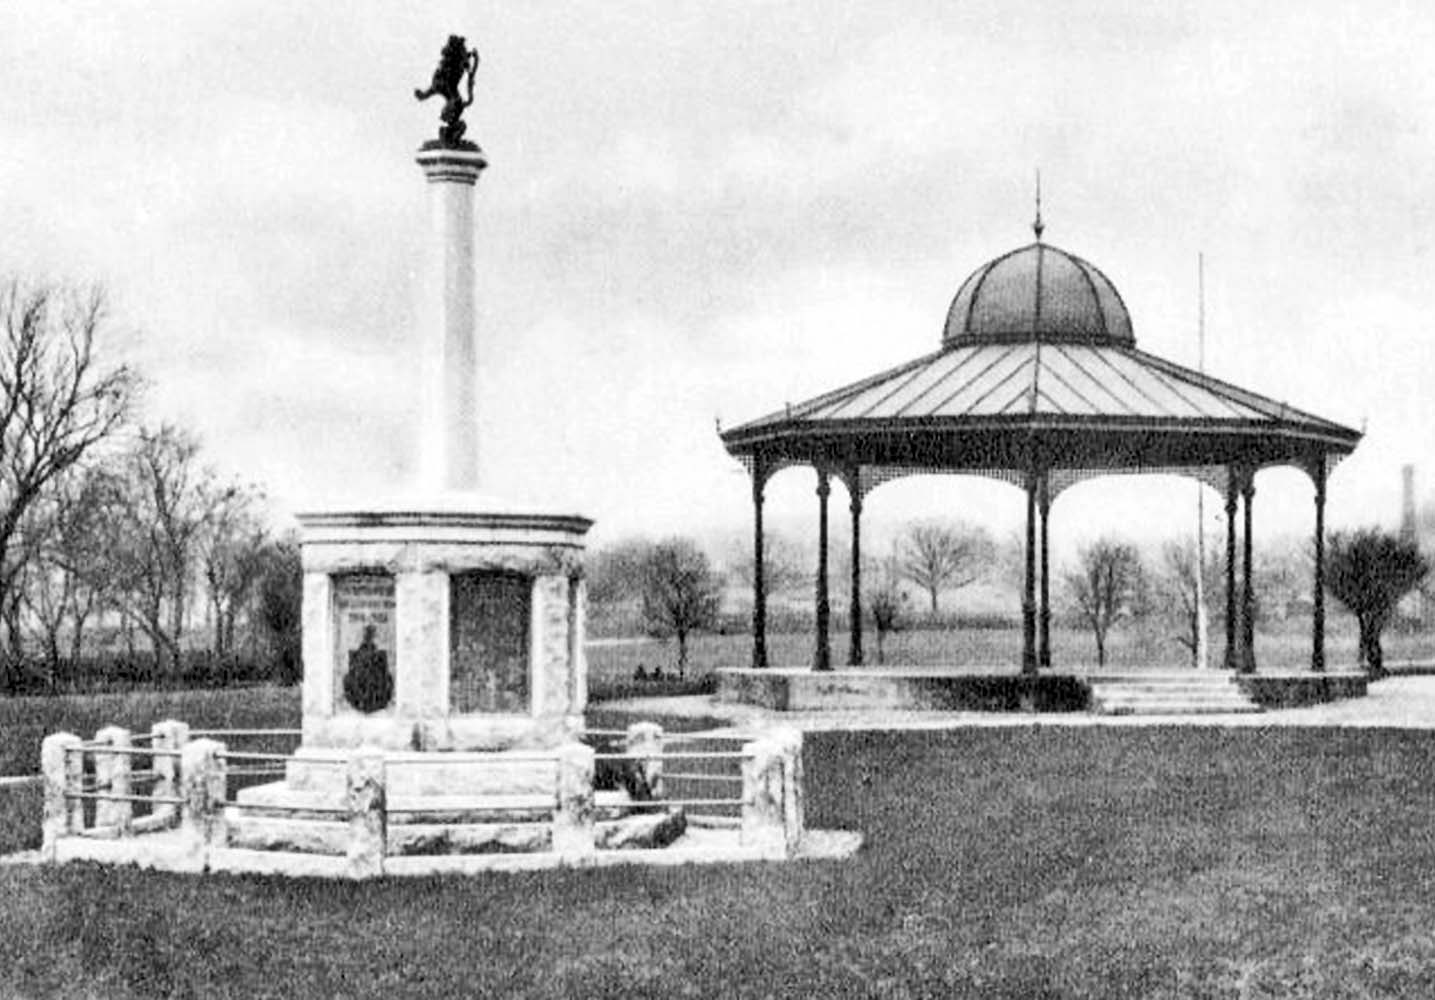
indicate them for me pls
(114, 529)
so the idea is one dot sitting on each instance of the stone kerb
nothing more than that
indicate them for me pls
(62, 769)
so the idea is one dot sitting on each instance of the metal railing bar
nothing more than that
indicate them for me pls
(680, 755)
(111, 797)
(670, 776)
(690, 802)
(285, 807)
(246, 732)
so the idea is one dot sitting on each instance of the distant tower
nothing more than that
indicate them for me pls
(1407, 503)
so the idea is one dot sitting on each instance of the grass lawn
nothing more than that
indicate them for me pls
(1100, 862)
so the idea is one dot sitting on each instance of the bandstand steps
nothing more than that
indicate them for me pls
(1178, 694)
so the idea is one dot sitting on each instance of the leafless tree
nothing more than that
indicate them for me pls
(785, 565)
(945, 555)
(885, 599)
(680, 592)
(1176, 589)
(233, 541)
(1106, 586)
(162, 499)
(58, 400)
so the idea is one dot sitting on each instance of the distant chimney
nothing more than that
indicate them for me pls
(1407, 503)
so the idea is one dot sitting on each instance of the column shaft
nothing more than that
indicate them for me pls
(822, 657)
(854, 648)
(1028, 600)
(759, 583)
(1232, 660)
(1248, 594)
(1317, 619)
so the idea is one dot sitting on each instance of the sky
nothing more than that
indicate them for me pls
(698, 211)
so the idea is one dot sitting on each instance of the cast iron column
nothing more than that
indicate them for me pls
(1028, 597)
(1317, 616)
(1248, 594)
(1044, 635)
(822, 659)
(854, 648)
(759, 584)
(1232, 656)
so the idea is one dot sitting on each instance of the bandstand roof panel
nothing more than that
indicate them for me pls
(1039, 364)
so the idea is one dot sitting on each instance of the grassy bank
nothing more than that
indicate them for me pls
(1018, 863)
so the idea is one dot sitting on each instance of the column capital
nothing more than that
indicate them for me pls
(824, 482)
(459, 164)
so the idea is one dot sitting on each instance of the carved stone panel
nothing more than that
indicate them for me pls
(364, 621)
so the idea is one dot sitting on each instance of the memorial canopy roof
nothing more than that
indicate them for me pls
(1039, 371)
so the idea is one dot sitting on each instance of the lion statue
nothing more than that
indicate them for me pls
(455, 62)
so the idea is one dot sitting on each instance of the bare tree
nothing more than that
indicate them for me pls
(786, 566)
(1106, 587)
(945, 555)
(161, 499)
(680, 592)
(57, 401)
(1369, 571)
(1176, 589)
(885, 600)
(232, 542)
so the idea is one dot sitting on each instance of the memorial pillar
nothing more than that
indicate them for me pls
(449, 454)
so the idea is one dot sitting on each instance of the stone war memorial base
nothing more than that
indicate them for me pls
(174, 800)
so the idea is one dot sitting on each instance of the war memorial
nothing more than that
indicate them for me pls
(444, 677)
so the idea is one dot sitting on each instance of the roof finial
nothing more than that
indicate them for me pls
(1037, 226)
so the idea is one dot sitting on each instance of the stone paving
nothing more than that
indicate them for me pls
(1394, 703)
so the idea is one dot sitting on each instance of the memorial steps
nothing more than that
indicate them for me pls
(1186, 693)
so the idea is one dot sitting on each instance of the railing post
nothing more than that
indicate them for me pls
(202, 781)
(62, 814)
(764, 800)
(645, 743)
(368, 820)
(112, 776)
(573, 834)
(167, 735)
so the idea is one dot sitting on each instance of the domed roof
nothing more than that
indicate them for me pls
(1038, 293)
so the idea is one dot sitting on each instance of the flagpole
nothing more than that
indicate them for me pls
(1203, 657)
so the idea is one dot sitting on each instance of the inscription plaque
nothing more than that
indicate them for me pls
(363, 604)
(489, 642)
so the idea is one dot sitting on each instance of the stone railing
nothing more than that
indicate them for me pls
(162, 799)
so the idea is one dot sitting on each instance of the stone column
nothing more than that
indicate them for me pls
(203, 782)
(421, 633)
(1317, 616)
(645, 743)
(759, 572)
(1248, 593)
(364, 796)
(170, 734)
(794, 808)
(320, 659)
(573, 818)
(62, 814)
(854, 606)
(1233, 658)
(822, 658)
(449, 451)
(112, 775)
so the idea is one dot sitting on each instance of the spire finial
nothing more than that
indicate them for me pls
(1038, 227)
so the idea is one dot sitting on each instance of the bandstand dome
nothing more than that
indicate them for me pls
(1038, 382)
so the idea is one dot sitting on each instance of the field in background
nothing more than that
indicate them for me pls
(1076, 863)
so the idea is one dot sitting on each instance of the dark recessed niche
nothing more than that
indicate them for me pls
(489, 615)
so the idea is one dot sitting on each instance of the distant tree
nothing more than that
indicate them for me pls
(885, 600)
(58, 400)
(232, 542)
(615, 572)
(1107, 586)
(785, 564)
(944, 555)
(161, 498)
(279, 605)
(1175, 589)
(680, 592)
(1369, 571)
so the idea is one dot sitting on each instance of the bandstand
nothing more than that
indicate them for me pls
(1038, 382)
